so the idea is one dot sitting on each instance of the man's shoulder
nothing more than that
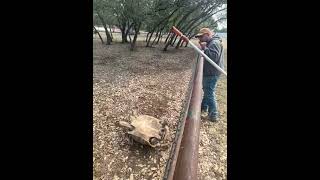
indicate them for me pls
(215, 42)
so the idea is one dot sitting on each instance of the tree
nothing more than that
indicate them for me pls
(101, 10)
(96, 31)
(157, 17)
(222, 30)
(192, 16)
(137, 13)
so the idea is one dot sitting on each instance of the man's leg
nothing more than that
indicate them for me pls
(212, 101)
(204, 103)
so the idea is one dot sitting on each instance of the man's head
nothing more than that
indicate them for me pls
(204, 34)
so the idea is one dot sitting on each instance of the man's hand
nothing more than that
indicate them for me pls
(202, 45)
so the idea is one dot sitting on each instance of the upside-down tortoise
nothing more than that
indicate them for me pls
(146, 129)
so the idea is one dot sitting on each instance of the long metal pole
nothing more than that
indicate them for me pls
(176, 31)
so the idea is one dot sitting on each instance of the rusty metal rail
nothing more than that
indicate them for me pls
(183, 161)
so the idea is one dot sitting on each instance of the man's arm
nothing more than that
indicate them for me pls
(213, 51)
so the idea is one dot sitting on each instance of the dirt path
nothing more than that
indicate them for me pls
(213, 140)
(147, 81)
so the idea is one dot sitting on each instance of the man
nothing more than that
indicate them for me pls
(211, 44)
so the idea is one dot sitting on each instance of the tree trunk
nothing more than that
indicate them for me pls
(167, 37)
(179, 42)
(129, 38)
(109, 39)
(129, 28)
(123, 32)
(169, 42)
(147, 37)
(133, 44)
(160, 36)
(124, 37)
(162, 21)
(111, 31)
(98, 34)
(174, 41)
(157, 34)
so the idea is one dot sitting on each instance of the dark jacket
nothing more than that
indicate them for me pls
(214, 50)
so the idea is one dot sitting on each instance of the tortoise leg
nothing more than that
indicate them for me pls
(126, 125)
(130, 139)
(153, 141)
(163, 132)
(164, 146)
(163, 123)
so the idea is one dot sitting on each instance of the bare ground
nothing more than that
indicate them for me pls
(147, 81)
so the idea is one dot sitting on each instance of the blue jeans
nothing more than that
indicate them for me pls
(209, 101)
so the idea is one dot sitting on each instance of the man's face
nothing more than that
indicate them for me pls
(204, 38)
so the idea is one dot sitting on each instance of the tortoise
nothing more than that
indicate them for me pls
(146, 129)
